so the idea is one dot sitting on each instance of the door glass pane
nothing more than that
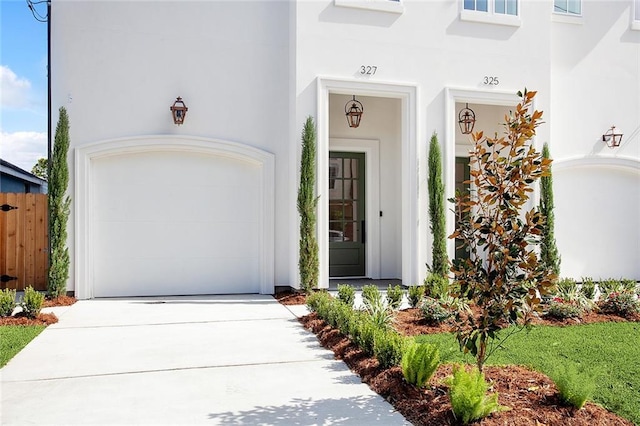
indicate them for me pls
(351, 231)
(350, 189)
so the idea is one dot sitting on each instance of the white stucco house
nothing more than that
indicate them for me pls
(209, 206)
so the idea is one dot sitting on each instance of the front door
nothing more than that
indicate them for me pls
(347, 230)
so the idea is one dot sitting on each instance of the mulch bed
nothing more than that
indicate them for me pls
(531, 396)
(21, 319)
(289, 297)
(42, 318)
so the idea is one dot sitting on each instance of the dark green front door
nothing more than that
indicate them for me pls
(462, 175)
(347, 228)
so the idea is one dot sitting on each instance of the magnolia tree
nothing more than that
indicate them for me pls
(503, 275)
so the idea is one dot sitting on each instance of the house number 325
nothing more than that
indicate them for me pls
(368, 69)
(491, 81)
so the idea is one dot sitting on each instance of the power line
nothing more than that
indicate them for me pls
(34, 11)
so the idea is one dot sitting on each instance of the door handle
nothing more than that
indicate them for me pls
(364, 232)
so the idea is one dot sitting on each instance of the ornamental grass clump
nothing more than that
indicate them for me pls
(394, 296)
(468, 394)
(419, 362)
(7, 302)
(31, 302)
(575, 388)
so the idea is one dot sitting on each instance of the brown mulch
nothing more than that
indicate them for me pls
(531, 396)
(289, 297)
(409, 322)
(59, 301)
(21, 319)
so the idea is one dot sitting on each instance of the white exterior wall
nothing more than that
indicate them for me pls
(251, 72)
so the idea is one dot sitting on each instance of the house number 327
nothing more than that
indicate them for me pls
(368, 69)
(491, 81)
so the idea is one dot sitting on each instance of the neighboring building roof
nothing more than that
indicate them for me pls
(9, 169)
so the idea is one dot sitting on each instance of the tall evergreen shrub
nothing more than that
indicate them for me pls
(548, 249)
(59, 208)
(440, 261)
(307, 203)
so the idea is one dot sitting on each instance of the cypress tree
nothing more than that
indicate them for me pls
(59, 208)
(440, 261)
(548, 249)
(307, 203)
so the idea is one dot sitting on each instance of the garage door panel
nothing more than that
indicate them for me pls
(176, 223)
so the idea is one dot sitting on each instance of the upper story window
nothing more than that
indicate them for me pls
(635, 15)
(568, 7)
(503, 12)
(503, 7)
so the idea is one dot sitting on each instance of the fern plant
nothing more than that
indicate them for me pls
(468, 394)
(575, 388)
(419, 362)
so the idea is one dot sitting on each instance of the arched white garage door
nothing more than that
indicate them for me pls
(171, 222)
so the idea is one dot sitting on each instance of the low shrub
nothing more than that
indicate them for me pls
(394, 296)
(575, 388)
(620, 303)
(318, 300)
(388, 346)
(468, 394)
(562, 309)
(433, 312)
(347, 294)
(7, 302)
(419, 362)
(339, 316)
(370, 295)
(366, 336)
(436, 286)
(31, 302)
(415, 294)
(628, 285)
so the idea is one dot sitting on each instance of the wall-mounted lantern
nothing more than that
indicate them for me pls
(611, 138)
(353, 112)
(466, 120)
(179, 111)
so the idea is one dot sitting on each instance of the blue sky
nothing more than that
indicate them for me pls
(23, 79)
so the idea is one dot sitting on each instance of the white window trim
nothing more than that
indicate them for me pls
(635, 23)
(490, 17)
(567, 13)
(377, 5)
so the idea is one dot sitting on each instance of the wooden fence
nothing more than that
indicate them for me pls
(23, 241)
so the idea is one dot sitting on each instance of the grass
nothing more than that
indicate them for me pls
(15, 337)
(610, 350)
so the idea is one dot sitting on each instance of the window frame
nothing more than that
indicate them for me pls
(567, 12)
(635, 15)
(491, 16)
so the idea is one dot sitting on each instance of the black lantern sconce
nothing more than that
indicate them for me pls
(353, 112)
(179, 111)
(466, 120)
(611, 138)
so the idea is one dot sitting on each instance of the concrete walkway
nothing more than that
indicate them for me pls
(231, 360)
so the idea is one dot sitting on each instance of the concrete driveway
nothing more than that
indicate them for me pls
(233, 360)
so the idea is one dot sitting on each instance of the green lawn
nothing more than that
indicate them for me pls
(13, 338)
(611, 350)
